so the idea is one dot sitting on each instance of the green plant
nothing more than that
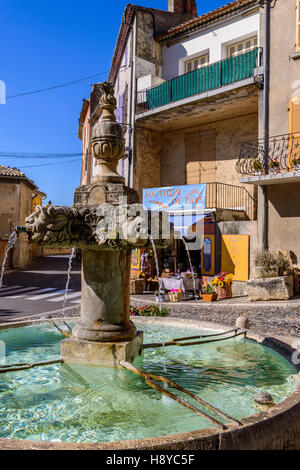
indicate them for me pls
(257, 164)
(274, 163)
(272, 262)
(296, 161)
(208, 289)
(149, 311)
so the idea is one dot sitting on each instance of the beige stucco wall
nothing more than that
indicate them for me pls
(284, 68)
(284, 217)
(9, 198)
(285, 71)
(15, 206)
(283, 214)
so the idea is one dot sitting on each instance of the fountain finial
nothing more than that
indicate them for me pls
(108, 143)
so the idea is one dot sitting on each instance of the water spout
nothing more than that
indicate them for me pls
(67, 286)
(157, 271)
(11, 241)
(191, 268)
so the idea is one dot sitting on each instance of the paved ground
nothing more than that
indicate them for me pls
(39, 289)
(281, 318)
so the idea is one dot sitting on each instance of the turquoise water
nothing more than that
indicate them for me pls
(90, 404)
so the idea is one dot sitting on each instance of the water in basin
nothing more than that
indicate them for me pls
(91, 404)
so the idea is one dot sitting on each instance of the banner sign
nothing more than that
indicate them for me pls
(172, 198)
(185, 204)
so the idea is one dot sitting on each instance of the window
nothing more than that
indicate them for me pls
(197, 63)
(242, 46)
(298, 26)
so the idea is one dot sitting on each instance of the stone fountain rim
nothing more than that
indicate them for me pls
(275, 428)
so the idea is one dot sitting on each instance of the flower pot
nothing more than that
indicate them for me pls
(175, 296)
(228, 291)
(137, 286)
(209, 297)
(224, 292)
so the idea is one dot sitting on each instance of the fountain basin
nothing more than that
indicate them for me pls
(267, 428)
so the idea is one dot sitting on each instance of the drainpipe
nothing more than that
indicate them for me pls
(266, 120)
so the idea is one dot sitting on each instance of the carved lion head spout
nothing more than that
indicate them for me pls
(101, 227)
(56, 226)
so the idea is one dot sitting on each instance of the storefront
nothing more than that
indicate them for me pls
(195, 230)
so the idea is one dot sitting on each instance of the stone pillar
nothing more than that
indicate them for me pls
(105, 296)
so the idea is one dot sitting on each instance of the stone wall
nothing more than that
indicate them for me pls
(147, 172)
(229, 135)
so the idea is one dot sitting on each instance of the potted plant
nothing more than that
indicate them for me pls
(274, 165)
(223, 283)
(138, 283)
(257, 166)
(175, 295)
(208, 293)
(296, 163)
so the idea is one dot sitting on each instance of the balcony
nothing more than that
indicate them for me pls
(215, 76)
(280, 165)
(230, 202)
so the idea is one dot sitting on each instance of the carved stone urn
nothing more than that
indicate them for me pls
(108, 143)
(106, 223)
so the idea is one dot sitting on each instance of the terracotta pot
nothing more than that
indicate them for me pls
(221, 293)
(228, 291)
(224, 292)
(209, 297)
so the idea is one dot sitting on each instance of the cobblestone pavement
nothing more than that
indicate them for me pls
(281, 318)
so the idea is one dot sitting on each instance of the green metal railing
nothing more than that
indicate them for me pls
(211, 77)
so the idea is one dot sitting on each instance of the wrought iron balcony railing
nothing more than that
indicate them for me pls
(283, 154)
(213, 76)
(231, 198)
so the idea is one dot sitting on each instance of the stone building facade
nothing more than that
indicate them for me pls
(18, 197)
(190, 92)
(282, 186)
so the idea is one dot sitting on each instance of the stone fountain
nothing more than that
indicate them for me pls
(106, 223)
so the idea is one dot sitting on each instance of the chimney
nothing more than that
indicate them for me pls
(188, 7)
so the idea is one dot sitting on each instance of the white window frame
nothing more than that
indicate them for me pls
(243, 46)
(194, 66)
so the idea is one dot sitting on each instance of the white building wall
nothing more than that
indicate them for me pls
(121, 85)
(214, 40)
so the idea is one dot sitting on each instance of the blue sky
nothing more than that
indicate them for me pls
(44, 44)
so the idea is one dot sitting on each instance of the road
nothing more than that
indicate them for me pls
(39, 288)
